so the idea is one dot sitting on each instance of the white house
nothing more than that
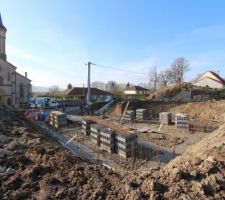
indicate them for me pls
(209, 79)
(136, 90)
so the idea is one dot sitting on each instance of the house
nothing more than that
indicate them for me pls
(15, 88)
(136, 90)
(209, 79)
(79, 93)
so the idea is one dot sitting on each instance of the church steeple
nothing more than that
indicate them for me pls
(2, 39)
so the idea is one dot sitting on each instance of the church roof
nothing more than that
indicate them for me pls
(1, 23)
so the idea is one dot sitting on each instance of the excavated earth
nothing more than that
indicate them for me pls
(32, 166)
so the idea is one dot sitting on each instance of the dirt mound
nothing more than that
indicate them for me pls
(34, 167)
(186, 92)
(198, 174)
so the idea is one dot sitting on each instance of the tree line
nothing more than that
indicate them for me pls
(174, 74)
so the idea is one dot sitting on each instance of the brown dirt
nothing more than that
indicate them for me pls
(39, 168)
(209, 112)
(182, 93)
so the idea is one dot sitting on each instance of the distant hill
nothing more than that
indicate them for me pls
(42, 89)
(39, 89)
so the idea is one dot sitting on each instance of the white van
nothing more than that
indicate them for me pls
(43, 102)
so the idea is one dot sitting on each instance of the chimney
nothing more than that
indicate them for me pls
(26, 74)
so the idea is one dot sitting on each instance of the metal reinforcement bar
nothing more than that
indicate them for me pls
(202, 128)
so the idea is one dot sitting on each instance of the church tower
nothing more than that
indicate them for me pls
(2, 39)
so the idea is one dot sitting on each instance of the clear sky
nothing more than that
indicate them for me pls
(53, 39)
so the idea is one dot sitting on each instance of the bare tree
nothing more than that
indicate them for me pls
(69, 86)
(114, 87)
(98, 84)
(178, 68)
(53, 90)
(144, 85)
(164, 78)
(128, 85)
(153, 77)
(111, 86)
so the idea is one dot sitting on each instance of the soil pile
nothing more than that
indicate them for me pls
(198, 174)
(186, 92)
(34, 167)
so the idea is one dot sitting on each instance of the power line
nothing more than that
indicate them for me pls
(119, 69)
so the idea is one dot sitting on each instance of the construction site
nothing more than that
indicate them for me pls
(140, 133)
(144, 148)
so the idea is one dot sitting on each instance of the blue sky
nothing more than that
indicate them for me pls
(53, 39)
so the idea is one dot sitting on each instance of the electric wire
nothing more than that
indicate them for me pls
(119, 69)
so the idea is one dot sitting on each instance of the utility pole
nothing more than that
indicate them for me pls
(89, 84)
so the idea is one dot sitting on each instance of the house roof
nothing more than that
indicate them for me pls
(137, 87)
(1, 23)
(23, 76)
(83, 91)
(216, 77)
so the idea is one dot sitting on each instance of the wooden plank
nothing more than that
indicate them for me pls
(124, 112)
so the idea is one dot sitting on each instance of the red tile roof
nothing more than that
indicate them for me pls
(83, 91)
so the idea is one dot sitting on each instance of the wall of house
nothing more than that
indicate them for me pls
(130, 92)
(208, 82)
(101, 97)
(143, 92)
(210, 75)
(7, 80)
(23, 89)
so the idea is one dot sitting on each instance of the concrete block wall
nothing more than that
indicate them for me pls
(86, 126)
(182, 120)
(107, 140)
(165, 118)
(95, 134)
(142, 114)
(113, 141)
(126, 144)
